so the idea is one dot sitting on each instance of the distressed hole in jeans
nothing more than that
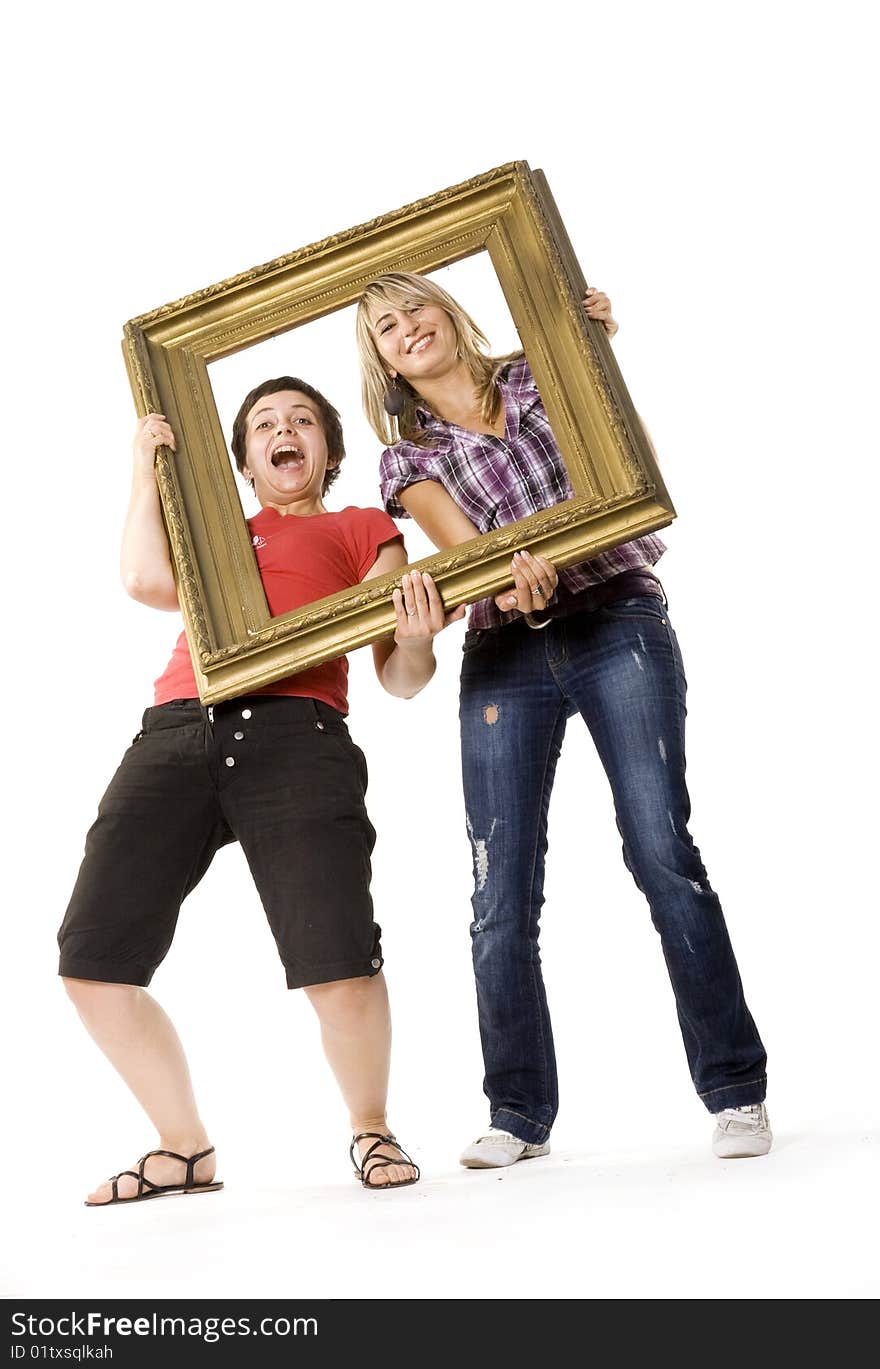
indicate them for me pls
(481, 857)
(490, 714)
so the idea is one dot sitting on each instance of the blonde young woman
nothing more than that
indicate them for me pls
(468, 448)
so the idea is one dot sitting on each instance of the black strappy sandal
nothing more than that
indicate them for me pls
(378, 1161)
(147, 1189)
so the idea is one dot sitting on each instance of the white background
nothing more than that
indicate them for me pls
(712, 166)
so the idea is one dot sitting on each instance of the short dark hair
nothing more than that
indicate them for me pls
(331, 424)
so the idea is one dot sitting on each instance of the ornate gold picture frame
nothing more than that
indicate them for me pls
(236, 645)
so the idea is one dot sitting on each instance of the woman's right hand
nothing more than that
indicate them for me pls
(534, 584)
(151, 432)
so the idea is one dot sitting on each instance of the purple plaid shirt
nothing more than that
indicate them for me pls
(497, 481)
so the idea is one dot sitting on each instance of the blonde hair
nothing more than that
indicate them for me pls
(404, 290)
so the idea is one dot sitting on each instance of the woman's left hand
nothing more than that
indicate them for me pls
(420, 612)
(598, 306)
(534, 584)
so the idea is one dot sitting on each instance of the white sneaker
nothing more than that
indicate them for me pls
(741, 1132)
(499, 1148)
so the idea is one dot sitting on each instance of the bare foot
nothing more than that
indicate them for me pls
(160, 1170)
(379, 1175)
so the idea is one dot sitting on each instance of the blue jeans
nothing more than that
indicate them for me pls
(619, 667)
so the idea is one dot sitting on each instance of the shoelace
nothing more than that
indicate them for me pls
(751, 1116)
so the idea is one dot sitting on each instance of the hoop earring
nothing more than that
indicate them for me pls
(394, 399)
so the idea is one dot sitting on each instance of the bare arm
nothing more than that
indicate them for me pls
(438, 515)
(598, 306)
(648, 437)
(145, 560)
(405, 662)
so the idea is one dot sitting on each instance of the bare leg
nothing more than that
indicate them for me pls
(139, 1040)
(356, 1034)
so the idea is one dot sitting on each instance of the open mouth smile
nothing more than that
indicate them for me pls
(421, 344)
(287, 457)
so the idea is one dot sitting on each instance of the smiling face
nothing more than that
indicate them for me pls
(286, 452)
(416, 341)
(409, 326)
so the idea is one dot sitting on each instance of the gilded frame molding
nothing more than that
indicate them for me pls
(509, 212)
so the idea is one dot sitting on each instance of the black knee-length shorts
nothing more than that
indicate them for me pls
(279, 775)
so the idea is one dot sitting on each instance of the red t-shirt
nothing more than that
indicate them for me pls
(300, 560)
